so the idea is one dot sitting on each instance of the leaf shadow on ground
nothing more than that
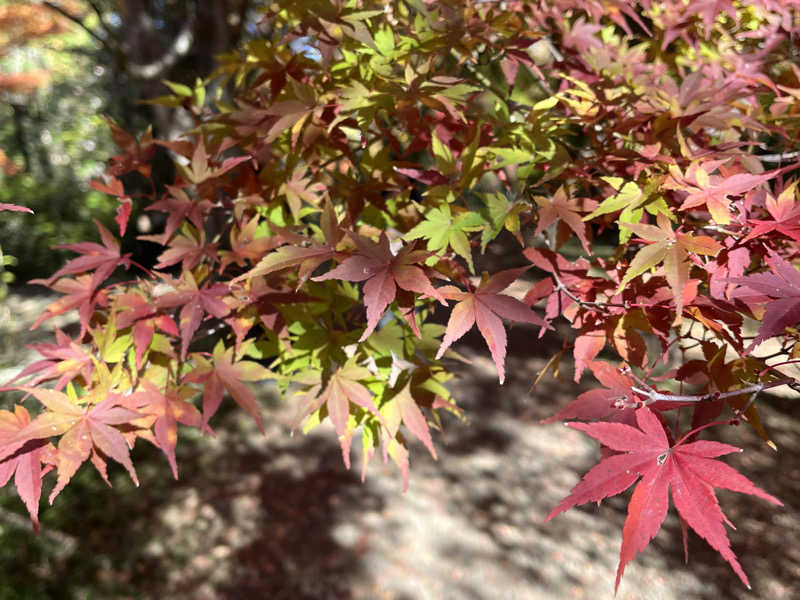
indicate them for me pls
(250, 517)
(577, 552)
(279, 517)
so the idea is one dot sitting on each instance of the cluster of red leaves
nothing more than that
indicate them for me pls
(627, 159)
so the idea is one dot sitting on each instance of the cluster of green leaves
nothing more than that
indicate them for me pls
(323, 217)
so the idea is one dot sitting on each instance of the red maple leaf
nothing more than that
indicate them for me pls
(26, 463)
(139, 311)
(687, 468)
(568, 211)
(403, 407)
(166, 410)
(714, 191)
(785, 213)
(342, 388)
(308, 258)
(179, 207)
(574, 278)
(599, 403)
(783, 286)
(195, 303)
(383, 273)
(222, 373)
(86, 431)
(246, 245)
(79, 293)
(115, 188)
(483, 308)
(100, 258)
(14, 207)
(63, 360)
(188, 249)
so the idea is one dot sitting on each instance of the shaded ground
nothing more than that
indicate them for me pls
(279, 517)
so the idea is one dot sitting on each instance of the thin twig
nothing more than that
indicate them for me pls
(79, 22)
(654, 396)
(602, 306)
(776, 158)
(99, 13)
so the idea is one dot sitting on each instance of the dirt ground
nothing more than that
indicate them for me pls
(279, 517)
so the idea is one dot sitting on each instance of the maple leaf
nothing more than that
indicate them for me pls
(308, 258)
(673, 249)
(298, 189)
(80, 294)
(574, 278)
(587, 346)
(567, 210)
(26, 463)
(289, 114)
(714, 191)
(86, 431)
(198, 169)
(167, 409)
(246, 244)
(187, 248)
(402, 406)
(688, 469)
(100, 258)
(342, 388)
(582, 36)
(599, 403)
(262, 303)
(137, 310)
(442, 230)
(14, 207)
(383, 273)
(115, 188)
(483, 308)
(785, 213)
(429, 177)
(222, 373)
(63, 360)
(179, 207)
(194, 302)
(783, 286)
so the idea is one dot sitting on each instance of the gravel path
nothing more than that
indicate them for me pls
(278, 516)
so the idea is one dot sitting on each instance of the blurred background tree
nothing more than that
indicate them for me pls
(66, 64)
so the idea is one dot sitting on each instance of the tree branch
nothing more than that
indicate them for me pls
(57, 9)
(99, 13)
(777, 158)
(654, 396)
(180, 47)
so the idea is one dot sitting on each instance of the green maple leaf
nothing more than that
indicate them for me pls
(443, 231)
(672, 249)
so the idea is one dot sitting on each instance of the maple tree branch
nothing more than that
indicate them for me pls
(654, 396)
(93, 4)
(776, 158)
(602, 306)
(79, 22)
(780, 364)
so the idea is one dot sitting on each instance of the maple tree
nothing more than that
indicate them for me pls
(326, 216)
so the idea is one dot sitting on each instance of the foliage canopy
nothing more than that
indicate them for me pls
(328, 215)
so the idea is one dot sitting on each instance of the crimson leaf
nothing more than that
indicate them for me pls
(688, 469)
